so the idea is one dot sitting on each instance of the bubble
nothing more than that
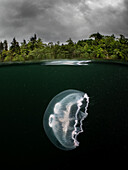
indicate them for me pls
(63, 118)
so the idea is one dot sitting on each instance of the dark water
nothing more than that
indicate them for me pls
(26, 90)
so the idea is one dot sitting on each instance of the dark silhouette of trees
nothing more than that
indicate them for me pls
(33, 42)
(97, 46)
(1, 47)
(1, 51)
(70, 42)
(97, 36)
(15, 46)
(5, 45)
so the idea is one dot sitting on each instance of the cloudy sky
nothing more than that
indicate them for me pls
(57, 20)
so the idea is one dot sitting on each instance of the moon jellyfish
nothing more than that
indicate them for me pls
(63, 118)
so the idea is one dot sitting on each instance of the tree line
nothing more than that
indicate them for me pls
(97, 46)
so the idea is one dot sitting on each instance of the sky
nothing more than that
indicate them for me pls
(59, 20)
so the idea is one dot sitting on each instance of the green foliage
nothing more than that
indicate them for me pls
(96, 47)
(18, 58)
(97, 36)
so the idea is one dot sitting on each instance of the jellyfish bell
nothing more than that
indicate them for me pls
(63, 118)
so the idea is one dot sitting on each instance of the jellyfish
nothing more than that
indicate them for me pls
(63, 118)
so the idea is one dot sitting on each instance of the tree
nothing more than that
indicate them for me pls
(1, 50)
(107, 47)
(24, 42)
(5, 44)
(1, 47)
(113, 36)
(122, 39)
(33, 39)
(97, 36)
(58, 42)
(32, 42)
(15, 46)
(81, 43)
(70, 42)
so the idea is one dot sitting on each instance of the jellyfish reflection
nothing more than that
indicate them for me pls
(63, 118)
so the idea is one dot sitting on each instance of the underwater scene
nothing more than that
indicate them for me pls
(64, 111)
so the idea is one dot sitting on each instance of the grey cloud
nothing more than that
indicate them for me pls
(21, 12)
(28, 17)
(109, 19)
(117, 21)
(125, 14)
(28, 10)
(25, 9)
(55, 20)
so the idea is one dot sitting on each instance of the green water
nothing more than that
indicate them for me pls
(26, 90)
